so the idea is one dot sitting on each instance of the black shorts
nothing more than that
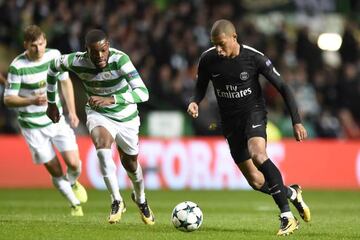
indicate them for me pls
(238, 134)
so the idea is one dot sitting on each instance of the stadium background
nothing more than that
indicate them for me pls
(164, 40)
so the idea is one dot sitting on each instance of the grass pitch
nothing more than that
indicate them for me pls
(44, 214)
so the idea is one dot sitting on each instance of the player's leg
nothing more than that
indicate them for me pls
(43, 153)
(103, 140)
(255, 131)
(65, 142)
(127, 141)
(63, 185)
(135, 174)
(298, 201)
(294, 194)
(272, 175)
(73, 172)
(256, 179)
(255, 128)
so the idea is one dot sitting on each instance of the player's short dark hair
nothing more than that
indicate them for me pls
(32, 33)
(222, 26)
(94, 35)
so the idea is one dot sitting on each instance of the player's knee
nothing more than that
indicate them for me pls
(73, 165)
(102, 142)
(54, 168)
(129, 162)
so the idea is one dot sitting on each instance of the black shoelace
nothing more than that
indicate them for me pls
(283, 222)
(144, 209)
(115, 207)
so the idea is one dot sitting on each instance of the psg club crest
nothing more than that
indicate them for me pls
(244, 76)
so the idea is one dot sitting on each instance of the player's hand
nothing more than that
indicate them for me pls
(39, 100)
(53, 112)
(193, 109)
(74, 120)
(97, 101)
(300, 132)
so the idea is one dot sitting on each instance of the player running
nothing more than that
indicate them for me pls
(26, 91)
(114, 88)
(234, 70)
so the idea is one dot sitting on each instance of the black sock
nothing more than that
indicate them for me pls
(275, 184)
(265, 189)
(288, 192)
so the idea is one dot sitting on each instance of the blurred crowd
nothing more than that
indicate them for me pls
(164, 39)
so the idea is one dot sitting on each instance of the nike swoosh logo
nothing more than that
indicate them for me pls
(255, 126)
(215, 75)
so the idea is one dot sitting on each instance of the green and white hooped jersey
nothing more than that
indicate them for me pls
(119, 79)
(28, 78)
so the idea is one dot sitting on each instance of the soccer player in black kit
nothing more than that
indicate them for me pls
(234, 70)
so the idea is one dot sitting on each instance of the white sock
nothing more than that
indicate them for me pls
(65, 189)
(73, 175)
(287, 215)
(137, 180)
(108, 170)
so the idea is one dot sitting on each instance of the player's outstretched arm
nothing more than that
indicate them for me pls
(300, 132)
(193, 109)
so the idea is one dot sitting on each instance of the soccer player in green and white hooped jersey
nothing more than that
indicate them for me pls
(26, 92)
(114, 88)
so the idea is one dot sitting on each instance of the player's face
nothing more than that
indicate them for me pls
(224, 44)
(99, 53)
(35, 50)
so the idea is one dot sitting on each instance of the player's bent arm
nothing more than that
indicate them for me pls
(137, 95)
(17, 101)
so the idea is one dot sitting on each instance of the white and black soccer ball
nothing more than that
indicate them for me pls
(187, 216)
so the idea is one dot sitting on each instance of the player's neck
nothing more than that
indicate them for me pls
(236, 51)
(32, 59)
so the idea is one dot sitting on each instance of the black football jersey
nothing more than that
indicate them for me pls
(236, 82)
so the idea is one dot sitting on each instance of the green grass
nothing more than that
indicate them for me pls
(43, 214)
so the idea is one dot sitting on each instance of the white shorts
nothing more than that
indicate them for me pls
(41, 140)
(126, 134)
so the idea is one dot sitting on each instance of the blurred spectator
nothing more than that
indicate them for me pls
(349, 100)
(165, 38)
(349, 49)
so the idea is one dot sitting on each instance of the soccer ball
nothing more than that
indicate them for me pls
(187, 216)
